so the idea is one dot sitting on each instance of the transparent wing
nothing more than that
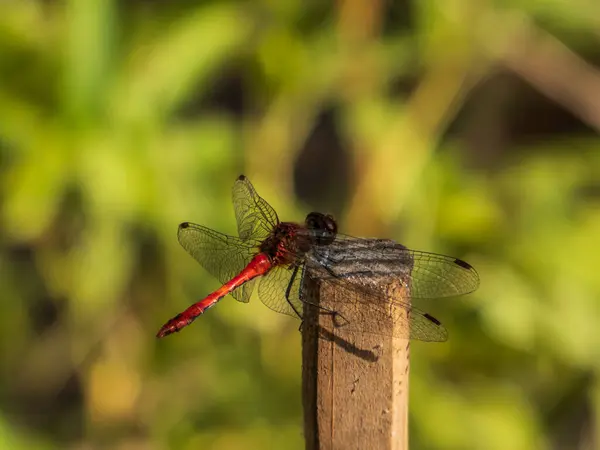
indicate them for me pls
(280, 293)
(255, 217)
(369, 267)
(431, 275)
(221, 255)
(369, 307)
(274, 286)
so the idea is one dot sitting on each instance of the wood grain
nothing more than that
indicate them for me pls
(355, 385)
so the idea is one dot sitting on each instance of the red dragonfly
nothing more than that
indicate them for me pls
(281, 254)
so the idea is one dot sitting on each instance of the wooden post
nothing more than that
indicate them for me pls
(354, 384)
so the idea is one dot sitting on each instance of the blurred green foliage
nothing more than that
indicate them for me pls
(118, 120)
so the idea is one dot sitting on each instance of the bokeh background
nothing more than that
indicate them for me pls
(466, 127)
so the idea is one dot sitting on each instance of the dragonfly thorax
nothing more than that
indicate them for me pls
(287, 243)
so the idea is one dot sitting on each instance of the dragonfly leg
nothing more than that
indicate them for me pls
(289, 289)
(333, 313)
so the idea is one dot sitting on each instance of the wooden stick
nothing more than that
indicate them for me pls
(354, 385)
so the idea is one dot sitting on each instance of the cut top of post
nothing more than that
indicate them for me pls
(355, 372)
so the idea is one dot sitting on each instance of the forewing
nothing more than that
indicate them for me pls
(221, 255)
(255, 217)
(431, 275)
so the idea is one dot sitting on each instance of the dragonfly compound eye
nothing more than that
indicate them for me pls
(323, 226)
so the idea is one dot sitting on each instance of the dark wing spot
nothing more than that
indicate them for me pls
(184, 225)
(241, 178)
(463, 264)
(433, 319)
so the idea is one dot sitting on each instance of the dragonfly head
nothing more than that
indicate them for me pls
(323, 226)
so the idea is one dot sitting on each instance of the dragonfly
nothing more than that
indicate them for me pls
(278, 256)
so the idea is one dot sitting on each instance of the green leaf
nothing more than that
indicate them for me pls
(89, 56)
(164, 73)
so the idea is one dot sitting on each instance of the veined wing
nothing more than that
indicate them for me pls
(276, 292)
(372, 268)
(431, 275)
(221, 255)
(255, 217)
(378, 306)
